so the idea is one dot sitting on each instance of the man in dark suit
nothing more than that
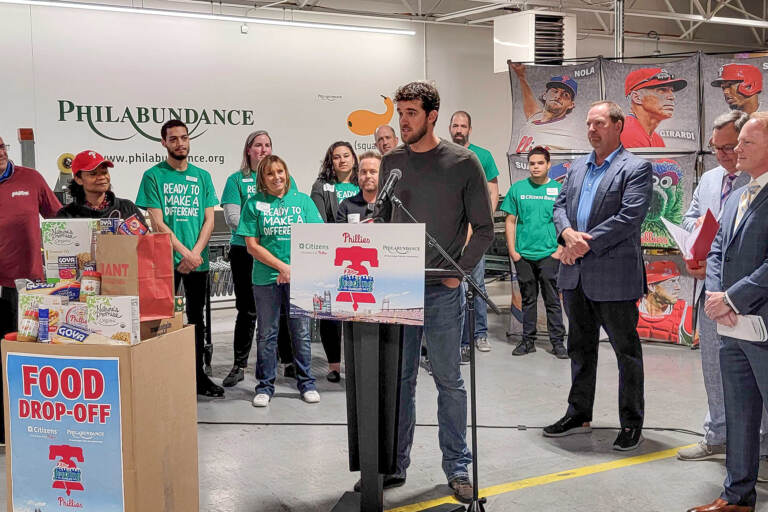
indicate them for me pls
(737, 285)
(598, 215)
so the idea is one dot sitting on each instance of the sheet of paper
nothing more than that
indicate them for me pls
(747, 328)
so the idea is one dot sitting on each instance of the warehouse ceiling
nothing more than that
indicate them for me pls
(726, 23)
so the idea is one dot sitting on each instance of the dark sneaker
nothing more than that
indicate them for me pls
(206, 387)
(290, 371)
(236, 374)
(628, 439)
(390, 482)
(333, 376)
(560, 351)
(462, 489)
(567, 426)
(523, 348)
(465, 354)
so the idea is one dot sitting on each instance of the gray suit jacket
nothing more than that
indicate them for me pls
(613, 269)
(738, 260)
(707, 196)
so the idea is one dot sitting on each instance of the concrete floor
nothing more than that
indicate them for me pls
(292, 456)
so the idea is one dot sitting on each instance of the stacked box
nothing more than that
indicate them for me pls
(115, 316)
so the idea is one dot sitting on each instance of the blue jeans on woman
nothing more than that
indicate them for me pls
(442, 328)
(268, 299)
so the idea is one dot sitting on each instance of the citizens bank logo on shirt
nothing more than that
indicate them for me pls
(19, 193)
(123, 123)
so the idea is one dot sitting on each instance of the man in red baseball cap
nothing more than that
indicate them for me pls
(92, 192)
(651, 95)
(664, 315)
(741, 84)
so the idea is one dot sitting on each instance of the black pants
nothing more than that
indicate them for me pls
(619, 319)
(9, 305)
(532, 275)
(241, 264)
(330, 335)
(194, 291)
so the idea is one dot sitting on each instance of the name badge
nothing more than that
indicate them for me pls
(247, 180)
(353, 218)
(551, 191)
(193, 179)
(262, 206)
(329, 187)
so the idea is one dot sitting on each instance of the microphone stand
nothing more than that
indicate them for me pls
(477, 504)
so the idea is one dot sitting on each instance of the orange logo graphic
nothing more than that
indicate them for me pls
(365, 122)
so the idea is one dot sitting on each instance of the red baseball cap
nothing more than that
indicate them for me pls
(750, 77)
(88, 160)
(661, 270)
(651, 77)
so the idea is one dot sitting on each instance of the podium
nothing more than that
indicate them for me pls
(371, 278)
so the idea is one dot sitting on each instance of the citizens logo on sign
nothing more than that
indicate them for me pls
(117, 123)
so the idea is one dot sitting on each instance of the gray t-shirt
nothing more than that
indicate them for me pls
(445, 188)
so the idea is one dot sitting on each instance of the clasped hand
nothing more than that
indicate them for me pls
(576, 245)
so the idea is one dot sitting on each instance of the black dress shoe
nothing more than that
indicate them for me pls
(236, 374)
(567, 426)
(333, 376)
(628, 439)
(208, 388)
(390, 482)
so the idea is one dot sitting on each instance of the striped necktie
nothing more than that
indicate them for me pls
(727, 188)
(746, 199)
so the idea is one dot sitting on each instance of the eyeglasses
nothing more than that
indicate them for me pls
(5, 147)
(727, 149)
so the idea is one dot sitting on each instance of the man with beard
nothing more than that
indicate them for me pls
(385, 138)
(460, 129)
(547, 123)
(179, 198)
(664, 315)
(360, 206)
(741, 84)
(444, 187)
(651, 95)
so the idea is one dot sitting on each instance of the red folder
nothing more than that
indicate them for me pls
(706, 235)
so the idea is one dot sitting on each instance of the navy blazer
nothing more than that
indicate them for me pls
(613, 269)
(738, 260)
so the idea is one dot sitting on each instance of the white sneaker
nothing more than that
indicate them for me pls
(261, 400)
(311, 396)
(702, 451)
(483, 345)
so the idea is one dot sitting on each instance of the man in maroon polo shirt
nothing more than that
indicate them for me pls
(24, 196)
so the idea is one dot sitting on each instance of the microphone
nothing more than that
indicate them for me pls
(386, 191)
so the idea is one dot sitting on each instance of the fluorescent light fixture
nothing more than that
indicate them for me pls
(201, 16)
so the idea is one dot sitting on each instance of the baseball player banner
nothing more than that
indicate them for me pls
(550, 105)
(65, 433)
(358, 272)
(666, 313)
(560, 165)
(661, 103)
(673, 182)
(731, 83)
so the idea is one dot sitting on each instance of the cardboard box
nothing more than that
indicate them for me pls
(68, 239)
(142, 457)
(151, 328)
(114, 317)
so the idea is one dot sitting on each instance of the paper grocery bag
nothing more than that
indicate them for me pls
(138, 265)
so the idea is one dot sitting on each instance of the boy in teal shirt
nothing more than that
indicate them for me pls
(179, 198)
(532, 243)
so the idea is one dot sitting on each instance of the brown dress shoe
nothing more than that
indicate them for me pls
(720, 505)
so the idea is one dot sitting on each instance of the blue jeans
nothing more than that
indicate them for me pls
(268, 299)
(481, 308)
(442, 329)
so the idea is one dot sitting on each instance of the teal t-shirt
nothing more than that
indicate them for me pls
(269, 219)
(535, 236)
(238, 190)
(486, 160)
(183, 197)
(345, 190)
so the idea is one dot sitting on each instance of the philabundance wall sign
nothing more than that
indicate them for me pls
(358, 272)
(65, 433)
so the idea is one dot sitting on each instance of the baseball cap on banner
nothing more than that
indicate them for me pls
(564, 82)
(644, 78)
(661, 270)
(88, 160)
(750, 77)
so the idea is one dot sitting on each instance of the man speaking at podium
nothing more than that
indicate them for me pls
(443, 186)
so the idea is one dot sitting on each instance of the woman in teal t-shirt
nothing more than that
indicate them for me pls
(265, 222)
(336, 181)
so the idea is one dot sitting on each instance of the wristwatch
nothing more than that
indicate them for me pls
(725, 301)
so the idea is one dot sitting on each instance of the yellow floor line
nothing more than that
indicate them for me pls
(550, 478)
